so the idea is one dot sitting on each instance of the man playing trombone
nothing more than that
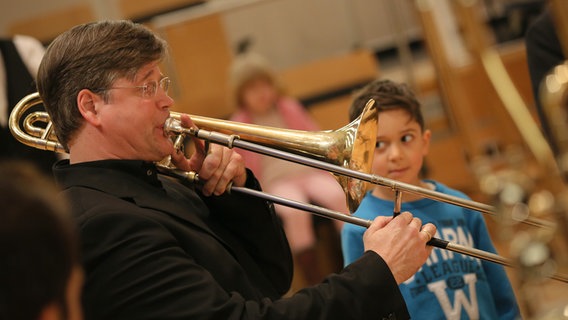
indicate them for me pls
(154, 248)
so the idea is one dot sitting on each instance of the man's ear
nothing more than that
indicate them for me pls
(87, 102)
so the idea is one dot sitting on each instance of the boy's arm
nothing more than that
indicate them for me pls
(503, 294)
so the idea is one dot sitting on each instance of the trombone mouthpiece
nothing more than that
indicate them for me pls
(173, 125)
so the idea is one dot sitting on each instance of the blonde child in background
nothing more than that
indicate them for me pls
(259, 99)
(449, 285)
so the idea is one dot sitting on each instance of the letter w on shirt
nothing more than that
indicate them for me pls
(460, 299)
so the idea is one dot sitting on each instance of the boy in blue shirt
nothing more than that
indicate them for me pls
(449, 285)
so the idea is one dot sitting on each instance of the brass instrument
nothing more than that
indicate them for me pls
(364, 127)
(534, 182)
(351, 146)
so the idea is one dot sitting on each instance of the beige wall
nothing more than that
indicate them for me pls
(288, 32)
(11, 11)
(291, 32)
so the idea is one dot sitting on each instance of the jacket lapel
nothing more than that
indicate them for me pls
(171, 199)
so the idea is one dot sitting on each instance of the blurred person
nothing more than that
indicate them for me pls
(20, 57)
(544, 52)
(450, 285)
(40, 274)
(155, 248)
(259, 98)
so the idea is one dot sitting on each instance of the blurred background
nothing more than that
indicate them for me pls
(323, 50)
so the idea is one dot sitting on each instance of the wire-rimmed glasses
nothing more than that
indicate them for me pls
(150, 89)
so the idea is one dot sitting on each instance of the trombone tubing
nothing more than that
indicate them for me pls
(328, 213)
(234, 141)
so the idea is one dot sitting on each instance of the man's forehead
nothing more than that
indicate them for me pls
(148, 71)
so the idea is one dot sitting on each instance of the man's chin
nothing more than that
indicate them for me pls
(164, 155)
(168, 148)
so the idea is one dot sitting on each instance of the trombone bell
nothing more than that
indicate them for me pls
(351, 146)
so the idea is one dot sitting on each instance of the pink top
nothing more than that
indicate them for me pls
(293, 115)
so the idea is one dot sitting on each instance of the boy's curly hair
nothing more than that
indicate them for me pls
(388, 95)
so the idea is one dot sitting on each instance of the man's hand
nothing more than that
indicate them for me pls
(401, 242)
(217, 166)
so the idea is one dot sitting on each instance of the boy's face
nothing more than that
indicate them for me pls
(401, 147)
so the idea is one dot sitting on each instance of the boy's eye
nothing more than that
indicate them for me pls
(380, 145)
(407, 138)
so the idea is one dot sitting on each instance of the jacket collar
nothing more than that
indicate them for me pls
(135, 181)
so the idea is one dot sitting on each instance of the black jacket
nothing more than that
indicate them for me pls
(155, 249)
(19, 83)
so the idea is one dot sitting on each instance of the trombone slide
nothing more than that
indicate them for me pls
(231, 141)
(327, 213)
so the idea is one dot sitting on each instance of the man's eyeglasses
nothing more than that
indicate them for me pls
(150, 89)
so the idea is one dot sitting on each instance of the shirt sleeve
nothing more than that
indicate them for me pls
(503, 294)
(352, 243)
(31, 51)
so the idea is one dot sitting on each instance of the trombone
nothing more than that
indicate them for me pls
(342, 158)
(351, 146)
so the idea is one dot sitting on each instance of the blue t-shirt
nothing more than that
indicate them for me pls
(449, 285)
